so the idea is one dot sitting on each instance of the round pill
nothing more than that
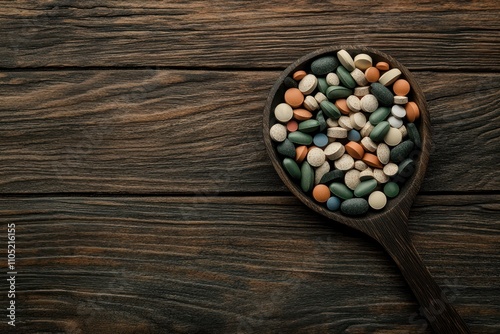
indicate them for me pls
(361, 91)
(283, 112)
(320, 140)
(310, 103)
(391, 189)
(332, 122)
(355, 150)
(366, 174)
(344, 163)
(316, 157)
(353, 103)
(372, 160)
(412, 111)
(346, 60)
(320, 97)
(345, 122)
(360, 165)
(336, 132)
(334, 150)
(403, 130)
(398, 111)
(366, 129)
(290, 83)
(332, 79)
(377, 200)
(321, 193)
(321, 171)
(359, 77)
(401, 87)
(292, 126)
(351, 179)
(395, 122)
(400, 99)
(278, 132)
(369, 103)
(333, 203)
(294, 97)
(299, 75)
(353, 135)
(389, 77)
(390, 169)
(383, 153)
(358, 120)
(372, 74)
(300, 153)
(301, 114)
(362, 61)
(308, 84)
(379, 175)
(368, 144)
(341, 104)
(382, 65)
(393, 137)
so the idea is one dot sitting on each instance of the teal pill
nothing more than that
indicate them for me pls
(345, 77)
(320, 140)
(330, 109)
(354, 206)
(292, 168)
(340, 190)
(383, 94)
(324, 65)
(354, 135)
(286, 148)
(333, 203)
(365, 188)
(307, 177)
(401, 151)
(309, 126)
(379, 115)
(322, 85)
(391, 189)
(300, 138)
(379, 131)
(338, 92)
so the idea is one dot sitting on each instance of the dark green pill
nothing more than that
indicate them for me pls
(406, 168)
(322, 85)
(322, 122)
(413, 134)
(300, 138)
(354, 206)
(290, 83)
(340, 190)
(324, 65)
(307, 177)
(365, 188)
(383, 94)
(309, 126)
(286, 148)
(379, 131)
(332, 176)
(391, 189)
(330, 109)
(292, 168)
(345, 77)
(338, 92)
(401, 151)
(379, 115)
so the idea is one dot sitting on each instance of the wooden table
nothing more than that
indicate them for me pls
(133, 167)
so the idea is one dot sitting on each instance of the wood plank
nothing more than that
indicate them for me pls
(258, 34)
(253, 264)
(197, 132)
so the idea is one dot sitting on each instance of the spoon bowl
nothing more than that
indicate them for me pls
(389, 226)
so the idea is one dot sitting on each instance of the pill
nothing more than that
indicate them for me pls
(354, 206)
(298, 75)
(310, 103)
(379, 131)
(389, 77)
(377, 200)
(332, 176)
(366, 174)
(341, 105)
(360, 165)
(345, 122)
(372, 160)
(344, 163)
(290, 83)
(403, 130)
(382, 65)
(307, 177)
(393, 137)
(365, 187)
(355, 150)
(329, 109)
(358, 120)
(308, 84)
(320, 97)
(379, 175)
(294, 97)
(300, 138)
(286, 148)
(368, 144)
(391, 189)
(278, 132)
(361, 91)
(353, 135)
(337, 92)
(359, 77)
(401, 151)
(406, 168)
(321, 193)
(395, 122)
(362, 61)
(321, 120)
(332, 122)
(292, 168)
(400, 99)
(332, 79)
(390, 169)
(336, 132)
(334, 151)
(346, 59)
(320, 140)
(301, 114)
(369, 103)
(321, 171)
(412, 111)
(310, 148)
(379, 115)
(345, 77)
(398, 111)
(341, 190)
(367, 129)
(351, 179)
(311, 125)
(413, 134)
(300, 153)
(383, 153)
(316, 157)
(333, 203)
(322, 85)
(382, 93)
(353, 103)
(324, 65)
(401, 87)
(283, 112)
(292, 126)
(372, 74)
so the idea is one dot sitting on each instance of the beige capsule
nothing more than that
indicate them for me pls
(379, 175)
(344, 163)
(310, 103)
(336, 132)
(360, 165)
(366, 174)
(320, 171)
(334, 150)
(383, 153)
(358, 120)
(368, 144)
(345, 122)
(351, 179)
(390, 169)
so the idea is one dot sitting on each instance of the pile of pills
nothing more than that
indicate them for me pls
(346, 133)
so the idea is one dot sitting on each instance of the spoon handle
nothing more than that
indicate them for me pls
(435, 306)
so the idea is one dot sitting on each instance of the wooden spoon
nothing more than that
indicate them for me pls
(389, 227)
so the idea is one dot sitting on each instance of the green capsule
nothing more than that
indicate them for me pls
(383, 94)
(307, 177)
(300, 138)
(379, 115)
(340, 190)
(330, 109)
(309, 126)
(365, 188)
(324, 65)
(354, 206)
(413, 134)
(345, 77)
(379, 131)
(338, 92)
(322, 85)
(331, 176)
(401, 151)
(292, 168)
(406, 168)
(286, 148)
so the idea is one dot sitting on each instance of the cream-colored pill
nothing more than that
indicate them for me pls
(283, 112)
(395, 122)
(359, 77)
(332, 79)
(398, 111)
(366, 174)
(345, 122)
(336, 132)
(367, 129)
(377, 200)
(308, 84)
(361, 91)
(389, 77)
(351, 179)
(334, 151)
(320, 171)
(400, 99)
(320, 97)
(379, 175)
(369, 103)
(345, 162)
(316, 157)
(310, 103)
(390, 169)
(383, 153)
(353, 103)
(393, 137)
(368, 144)
(403, 131)
(363, 61)
(358, 120)
(360, 165)
(346, 60)
(278, 132)
(332, 123)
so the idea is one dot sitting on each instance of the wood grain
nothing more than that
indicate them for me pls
(198, 132)
(253, 264)
(447, 35)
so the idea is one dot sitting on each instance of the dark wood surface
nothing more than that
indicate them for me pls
(132, 163)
